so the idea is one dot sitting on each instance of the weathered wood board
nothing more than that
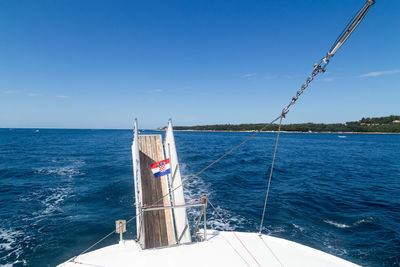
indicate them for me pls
(158, 224)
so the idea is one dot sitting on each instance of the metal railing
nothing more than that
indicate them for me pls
(202, 203)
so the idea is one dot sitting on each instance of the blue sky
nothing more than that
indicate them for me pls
(100, 64)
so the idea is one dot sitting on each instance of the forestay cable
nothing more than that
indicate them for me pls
(270, 174)
(184, 182)
(318, 68)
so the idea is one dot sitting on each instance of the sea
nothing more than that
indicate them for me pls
(62, 190)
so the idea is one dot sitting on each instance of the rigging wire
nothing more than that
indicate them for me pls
(319, 67)
(184, 182)
(241, 242)
(270, 175)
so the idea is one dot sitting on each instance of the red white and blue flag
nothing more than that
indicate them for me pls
(161, 168)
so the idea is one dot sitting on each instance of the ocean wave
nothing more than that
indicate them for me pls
(52, 201)
(193, 190)
(8, 238)
(52, 198)
(69, 170)
(357, 223)
(61, 171)
(10, 246)
(339, 251)
(364, 221)
(298, 227)
(234, 221)
(271, 230)
(336, 224)
(47, 201)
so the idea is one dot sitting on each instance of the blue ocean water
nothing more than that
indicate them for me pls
(62, 190)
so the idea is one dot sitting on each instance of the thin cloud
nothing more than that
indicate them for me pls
(156, 91)
(9, 92)
(379, 73)
(249, 75)
(62, 96)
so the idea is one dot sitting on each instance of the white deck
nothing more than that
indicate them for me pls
(221, 249)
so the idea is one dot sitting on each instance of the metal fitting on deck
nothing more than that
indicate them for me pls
(120, 228)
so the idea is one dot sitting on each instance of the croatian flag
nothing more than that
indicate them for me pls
(161, 168)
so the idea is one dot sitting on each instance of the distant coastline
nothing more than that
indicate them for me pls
(220, 131)
(379, 125)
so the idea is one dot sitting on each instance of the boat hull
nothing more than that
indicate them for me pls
(221, 249)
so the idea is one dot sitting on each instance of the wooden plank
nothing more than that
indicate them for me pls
(158, 225)
(166, 200)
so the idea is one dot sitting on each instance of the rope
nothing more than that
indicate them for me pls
(184, 182)
(227, 224)
(270, 175)
(102, 239)
(280, 117)
(318, 68)
(192, 177)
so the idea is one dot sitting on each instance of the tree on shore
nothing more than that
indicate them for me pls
(388, 124)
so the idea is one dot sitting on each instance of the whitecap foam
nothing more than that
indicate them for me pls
(61, 171)
(333, 248)
(52, 198)
(270, 229)
(7, 238)
(10, 246)
(357, 223)
(69, 170)
(365, 220)
(336, 224)
(19, 261)
(47, 201)
(193, 190)
(215, 221)
(52, 201)
(298, 227)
